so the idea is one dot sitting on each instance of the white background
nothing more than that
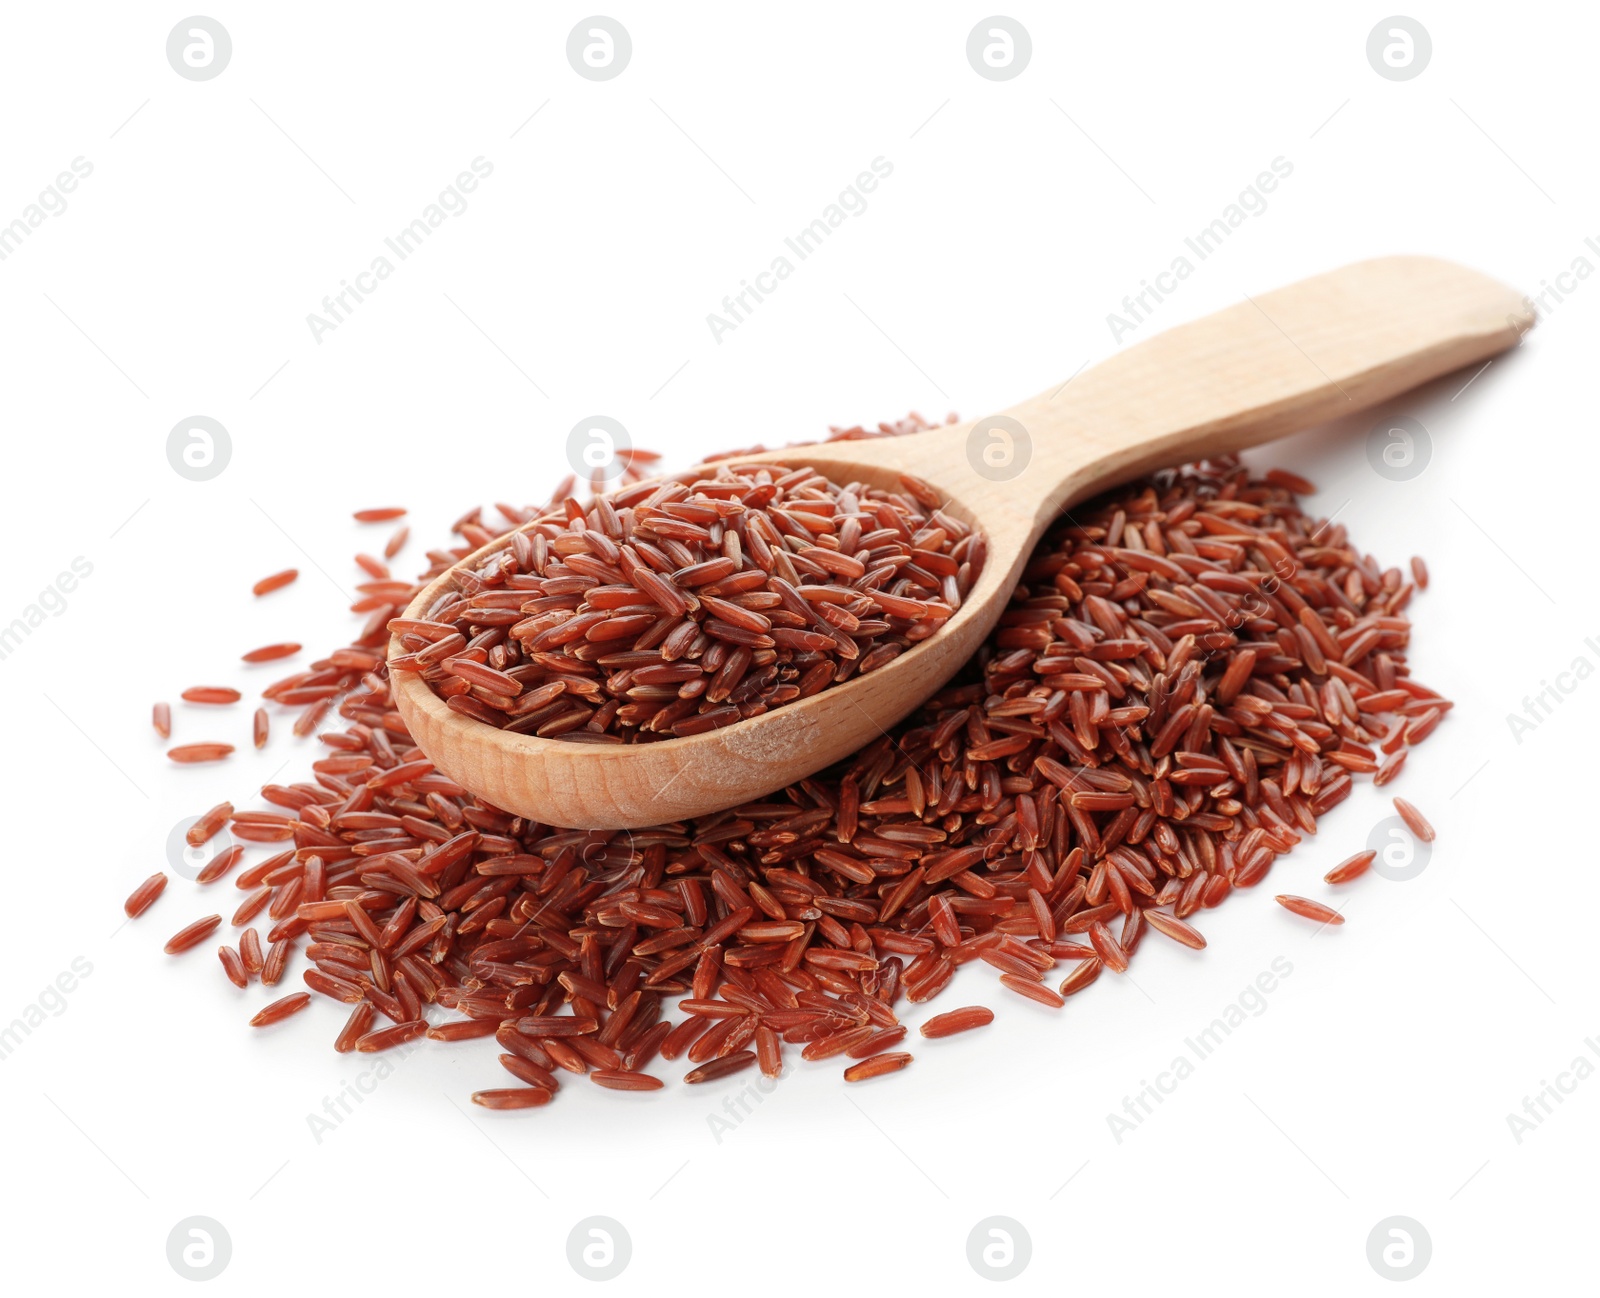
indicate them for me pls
(178, 281)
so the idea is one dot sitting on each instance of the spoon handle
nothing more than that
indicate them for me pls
(1325, 347)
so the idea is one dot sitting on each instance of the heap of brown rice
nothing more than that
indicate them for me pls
(1190, 673)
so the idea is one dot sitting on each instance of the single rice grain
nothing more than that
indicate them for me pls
(281, 1009)
(144, 896)
(216, 694)
(1416, 822)
(615, 1079)
(961, 1020)
(192, 935)
(250, 954)
(271, 652)
(277, 958)
(1309, 909)
(206, 826)
(877, 1066)
(277, 581)
(720, 1067)
(190, 753)
(512, 1097)
(233, 966)
(1034, 991)
(1352, 867)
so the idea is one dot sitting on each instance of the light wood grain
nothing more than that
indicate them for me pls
(1314, 351)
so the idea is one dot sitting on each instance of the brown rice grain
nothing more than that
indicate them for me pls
(277, 958)
(529, 1071)
(270, 653)
(1309, 909)
(190, 753)
(1034, 991)
(616, 1079)
(1086, 972)
(216, 694)
(1175, 928)
(716, 1068)
(462, 1030)
(206, 826)
(277, 581)
(1390, 767)
(281, 1009)
(1351, 867)
(192, 935)
(961, 1020)
(1416, 822)
(355, 1027)
(144, 896)
(252, 905)
(877, 1066)
(233, 966)
(220, 864)
(512, 1097)
(388, 1038)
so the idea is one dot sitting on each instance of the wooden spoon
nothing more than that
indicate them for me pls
(1325, 347)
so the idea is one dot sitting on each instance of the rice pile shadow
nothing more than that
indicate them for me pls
(1190, 673)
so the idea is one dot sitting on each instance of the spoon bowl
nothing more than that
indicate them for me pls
(1319, 349)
